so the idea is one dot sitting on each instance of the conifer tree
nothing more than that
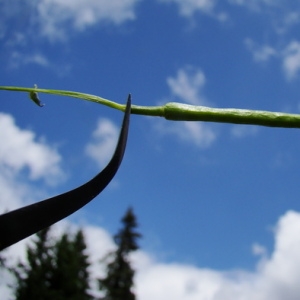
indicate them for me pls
(54, 272)
(34, 279)
(118, 282)
(71, 277)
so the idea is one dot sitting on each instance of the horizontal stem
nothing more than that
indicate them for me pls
(184, 112)
(83, 96)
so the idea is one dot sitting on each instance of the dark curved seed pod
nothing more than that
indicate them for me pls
(21, 223)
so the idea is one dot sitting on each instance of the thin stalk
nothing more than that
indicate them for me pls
(184, 112)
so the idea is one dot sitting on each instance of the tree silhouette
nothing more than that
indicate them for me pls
(71, 278)
(55, 270)
(118, 282)
(34, 279)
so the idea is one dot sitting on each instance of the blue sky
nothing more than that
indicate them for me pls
(218, 204)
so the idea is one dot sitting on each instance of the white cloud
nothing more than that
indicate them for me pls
(18, 58)
(176, 281)
(13, 192)
(258, 249)
(201, 134)
(57, 19)
(56, 16)
(280, 15)
(188, 7)
(291, 19)
(291, 60)
(196, 133)
(260, 53)
(288, 55)
(19, 150)
(276, 279)
(187, 87)
(103, 143)
(240, 131)
(256, 5)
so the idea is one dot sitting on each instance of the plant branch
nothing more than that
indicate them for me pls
(184, 112)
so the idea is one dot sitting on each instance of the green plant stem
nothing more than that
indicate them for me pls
(184, 112)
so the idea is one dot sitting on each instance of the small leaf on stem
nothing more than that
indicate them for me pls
(34, 97)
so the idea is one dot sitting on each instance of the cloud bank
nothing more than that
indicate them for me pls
(275, 277)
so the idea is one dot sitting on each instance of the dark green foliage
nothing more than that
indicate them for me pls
(127, 237)
(71, 276)
(34, 279)
(54, 272)
(118, 282)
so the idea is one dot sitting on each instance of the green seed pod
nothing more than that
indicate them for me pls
(184, 112)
